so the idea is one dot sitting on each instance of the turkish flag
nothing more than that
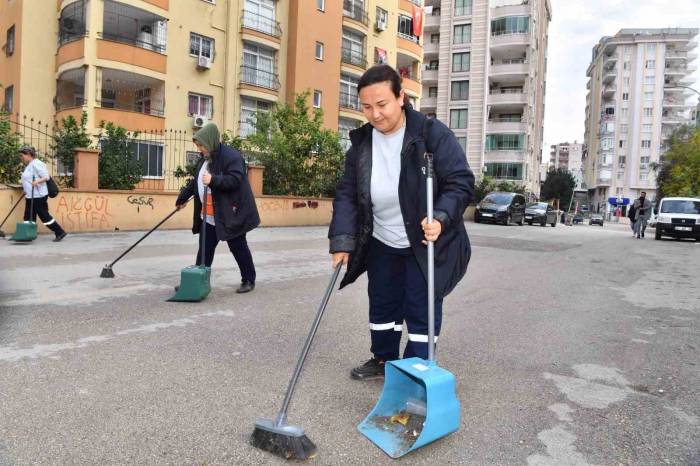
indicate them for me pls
(417, 20)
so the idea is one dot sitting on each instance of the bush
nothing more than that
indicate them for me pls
(118, 167)
(10, 164)
(70, 136)
(485, 185)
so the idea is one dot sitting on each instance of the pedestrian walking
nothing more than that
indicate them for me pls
(379, 220)
(34, 178)
(231, 210)
(642, 213)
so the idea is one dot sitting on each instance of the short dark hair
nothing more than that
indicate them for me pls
(381, 74)
(29, 150)
(643, 192)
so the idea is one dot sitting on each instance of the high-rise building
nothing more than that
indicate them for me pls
(635, 100)
(152, 65)
(570, 157)
(484, 76)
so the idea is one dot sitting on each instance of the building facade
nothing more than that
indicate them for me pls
(484, 76)
(159, 65)
(570, 157)
(634, 102)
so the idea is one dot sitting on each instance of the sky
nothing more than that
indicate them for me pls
(577, 25)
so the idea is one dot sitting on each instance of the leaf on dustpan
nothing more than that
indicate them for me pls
(401, 418)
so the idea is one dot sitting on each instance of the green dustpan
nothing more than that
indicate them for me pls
(195, 279)
(24, 232)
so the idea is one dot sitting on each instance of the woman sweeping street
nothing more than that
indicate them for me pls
(379, 217)
(230, 206)
(34, 178)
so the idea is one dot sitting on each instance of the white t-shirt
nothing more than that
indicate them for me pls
(386, 169)
(36, 168)
(200, 187)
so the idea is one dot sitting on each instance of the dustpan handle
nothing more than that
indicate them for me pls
(282, 415)
(431, 259)
(204, 227)
(31, 203)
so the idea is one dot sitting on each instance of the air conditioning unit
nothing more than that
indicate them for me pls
(199, 120)
(203, 63)
(381, 25)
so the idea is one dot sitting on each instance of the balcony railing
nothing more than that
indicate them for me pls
(353, 57)
(354, 11)
(509, 61)
(146, 109)
(513, 119)
(130, 40)
(261, 23)
(410, 37)
(261, 78)
(348, 100)
(63, 104)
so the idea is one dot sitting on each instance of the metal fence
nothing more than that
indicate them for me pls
(167, 157)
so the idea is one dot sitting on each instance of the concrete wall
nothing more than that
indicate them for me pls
(90, 211)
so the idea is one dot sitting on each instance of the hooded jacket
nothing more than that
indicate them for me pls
(453, 190)
(235, 212)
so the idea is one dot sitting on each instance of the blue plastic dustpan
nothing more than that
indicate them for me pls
(418, 404)
(418, 388)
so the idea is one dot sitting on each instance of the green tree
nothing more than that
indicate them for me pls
(679, 172)
(486, 184)
(300, 156)
(559, 184)
(10, 164)
(117, 165)
(70, 135)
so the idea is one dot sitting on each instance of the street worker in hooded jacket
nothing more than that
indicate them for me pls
(231, 210)
(379, 217)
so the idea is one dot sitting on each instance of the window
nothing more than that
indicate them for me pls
(71, 24)
(621, 160)
(648, 96)
(623, 128)
(352, 50)
(646, 143)
(259, 15)
(461, 62)
(626, 82)
(432, 91)
(643, 176)
(620, 175)
(463, 7)
(650, 64)
(607, 143)
(510, 25)
(406, 28)
(648, 111)
(10, 41)
(458, 118)
(200, 105)
(651, 79)
(621, 144)
(651, 48)
(345, 125)
(462, 140)
(434, 65)
(249, 109)
(508, 171)
(8, 106)
(319, 50)
(610, 110)
(624, 113)
(646, 128)
(627, 50)
(201, 46)
(348, 92)
(321, 5)
(644, 161)
(434, 38)
(460, 90)
(150, 155)
(259, 66)
(317, 99)
(625, 96)
(382, 18)
(626, 65)
(462, 34)
(505, 142)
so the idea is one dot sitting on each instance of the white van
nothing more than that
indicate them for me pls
(678, 217)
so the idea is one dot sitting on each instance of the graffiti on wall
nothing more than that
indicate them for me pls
(140, 201)
(78, 212)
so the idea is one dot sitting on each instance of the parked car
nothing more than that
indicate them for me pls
(679, 217)
(542, 213)
(501, 207)
(578, 218)
(596, 219)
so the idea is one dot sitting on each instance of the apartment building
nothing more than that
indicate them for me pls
(570, 157)
(172, 65)
(484, 76)
(636, 98)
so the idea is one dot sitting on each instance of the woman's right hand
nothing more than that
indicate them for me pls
(340, 258)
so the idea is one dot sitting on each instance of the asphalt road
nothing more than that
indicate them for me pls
(571, 346)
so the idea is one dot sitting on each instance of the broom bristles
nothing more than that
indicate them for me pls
(283, 445)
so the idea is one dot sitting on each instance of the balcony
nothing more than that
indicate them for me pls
(506, 125)
(259, 78)
(504, 69)
(609, 76)
(609, 62)
(507, 97)
(70, 94)
(353, 57)
(355, 12)
(431, 48)
(349, 101)
(677, 70)
(260, 23)
(120, 50)
(430, 76)
(133, 26)
(510, 41)
(428, 103)
(676, 103)
(130, 100)
(504, 155)
(410, 45)
(432, 23)
(608, 92)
